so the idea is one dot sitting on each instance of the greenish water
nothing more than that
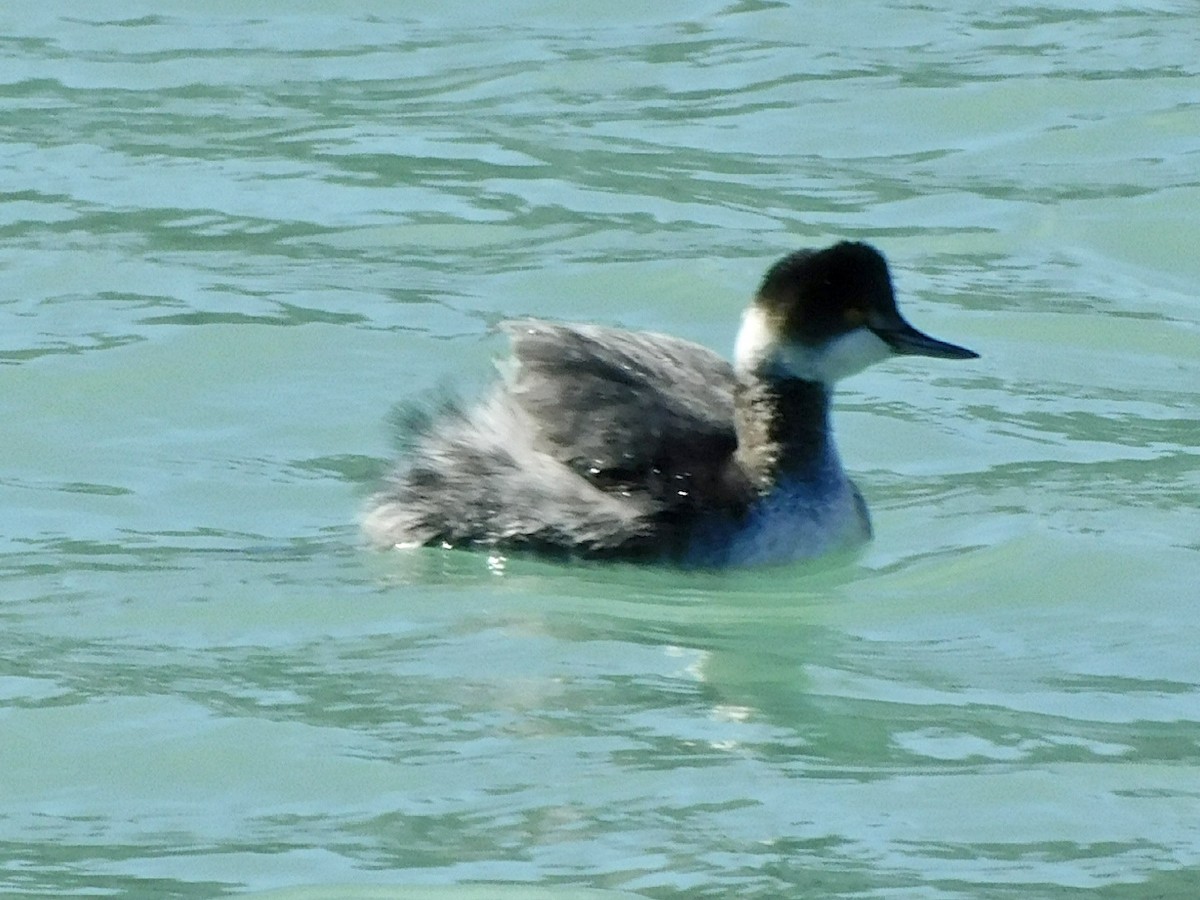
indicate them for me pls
(235, 235)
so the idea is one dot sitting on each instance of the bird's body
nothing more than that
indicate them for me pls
(602, 442)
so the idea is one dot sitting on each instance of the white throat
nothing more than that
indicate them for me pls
(759, 349)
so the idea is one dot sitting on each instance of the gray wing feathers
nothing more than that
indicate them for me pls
(477, 478)
(612, 401)
(598, 441)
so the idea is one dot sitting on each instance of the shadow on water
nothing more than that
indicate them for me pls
(742, 638)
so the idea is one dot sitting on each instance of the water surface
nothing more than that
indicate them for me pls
(234, 238)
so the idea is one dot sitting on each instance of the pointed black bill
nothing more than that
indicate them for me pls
(905, 339)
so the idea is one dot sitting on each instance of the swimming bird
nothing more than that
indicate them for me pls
(601, 442)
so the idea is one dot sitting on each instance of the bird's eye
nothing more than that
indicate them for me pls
(854, 316)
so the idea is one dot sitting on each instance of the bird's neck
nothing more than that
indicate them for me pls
(783, 430)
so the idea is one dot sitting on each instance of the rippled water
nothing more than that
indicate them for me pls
(234, 236)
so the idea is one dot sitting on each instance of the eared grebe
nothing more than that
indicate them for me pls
(608, 443)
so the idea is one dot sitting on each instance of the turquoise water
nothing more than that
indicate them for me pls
(235, 236)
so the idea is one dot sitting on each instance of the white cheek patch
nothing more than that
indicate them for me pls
(756, 341)
(845, 355)
(758, 349)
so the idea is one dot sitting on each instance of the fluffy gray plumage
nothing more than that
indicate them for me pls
(598, 442)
